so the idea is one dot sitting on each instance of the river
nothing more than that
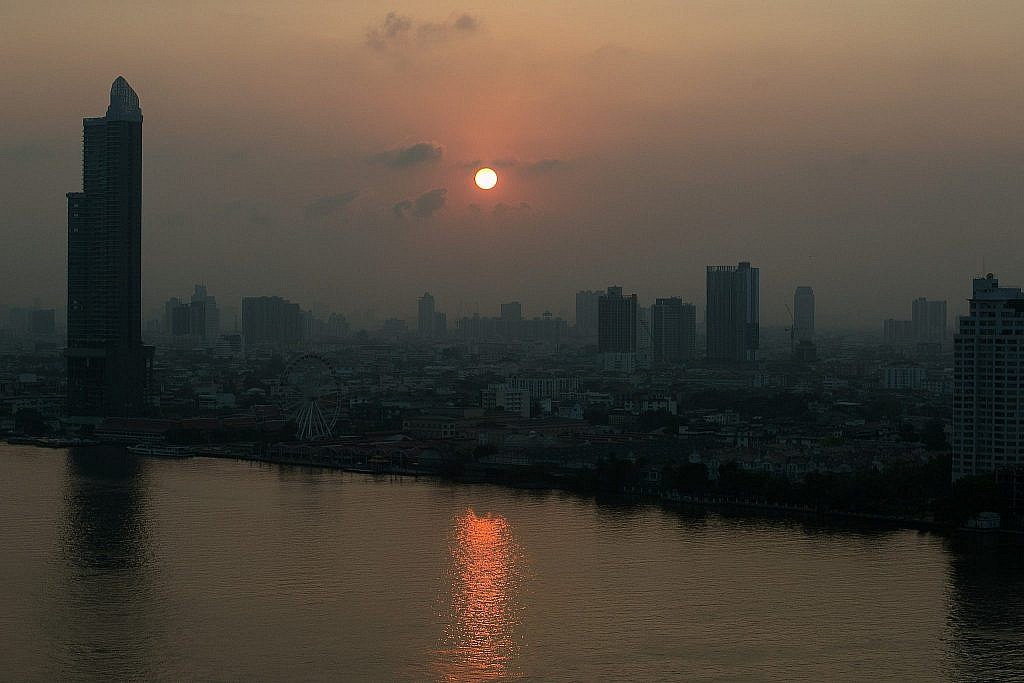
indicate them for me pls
(116, 567)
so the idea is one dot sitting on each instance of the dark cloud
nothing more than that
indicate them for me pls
(431, 32)
(529, 167)
(397, 31)
(393, 30)
(424, 206)
(502, 209)
(543, 166)
(325, 206)
(420, 153)
(466, 22)
(401, 207)
(429, 202)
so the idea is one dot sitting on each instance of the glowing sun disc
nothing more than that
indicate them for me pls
(486, 178)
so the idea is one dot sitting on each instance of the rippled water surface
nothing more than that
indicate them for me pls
(117, 567)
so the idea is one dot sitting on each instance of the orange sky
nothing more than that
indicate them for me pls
(864, 148)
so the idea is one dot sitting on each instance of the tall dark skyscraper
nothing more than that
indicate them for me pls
(803, 314)
(270, 320)
(105, 357)
(616, 322)
(427, 316)
(586, 311)
(673, 330)
(929, 322)
(732, 312)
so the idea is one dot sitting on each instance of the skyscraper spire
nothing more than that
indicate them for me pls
(124, 103)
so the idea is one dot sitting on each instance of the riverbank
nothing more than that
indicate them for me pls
(578, 482)
(509, 478)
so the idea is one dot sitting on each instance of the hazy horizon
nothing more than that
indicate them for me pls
(324, 151)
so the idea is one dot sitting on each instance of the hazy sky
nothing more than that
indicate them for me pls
(324, 151)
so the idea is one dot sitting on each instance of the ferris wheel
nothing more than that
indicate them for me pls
(311, 396)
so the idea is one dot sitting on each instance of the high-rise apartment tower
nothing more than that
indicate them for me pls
(105, 357)
(988, 372)
(732, 312)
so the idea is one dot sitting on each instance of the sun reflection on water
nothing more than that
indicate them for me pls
(480, 639)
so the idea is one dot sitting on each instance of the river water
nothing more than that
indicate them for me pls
(115, 567)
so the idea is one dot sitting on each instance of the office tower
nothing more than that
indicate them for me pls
(803, 314)
(616, 322)
(929, 322)
(337, 325)
(426, 318)
(732, 312)
(181, 320)
(394, 327)
(271, 320)
(673, 330)
(205, 316)
(169, 308)
(197, 320)
(105, 356)
(897, 332)
(988, 372)
(510, 324)
(547, 328)
(644, 338)
(512, 311)
(586, 312)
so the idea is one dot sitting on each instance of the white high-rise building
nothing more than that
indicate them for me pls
(988, 381)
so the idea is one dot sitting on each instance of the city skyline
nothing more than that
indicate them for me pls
(681, 339)
(857, 194)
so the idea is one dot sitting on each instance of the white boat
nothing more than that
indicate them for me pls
(161, 450)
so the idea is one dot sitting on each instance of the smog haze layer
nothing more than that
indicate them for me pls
(325, 151)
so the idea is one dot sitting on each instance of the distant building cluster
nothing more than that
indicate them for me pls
(508, 389)
(926, 331)
(511, 326)
(192, 323)
(34, 322)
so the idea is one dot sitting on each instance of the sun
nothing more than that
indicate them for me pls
(486, 178)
